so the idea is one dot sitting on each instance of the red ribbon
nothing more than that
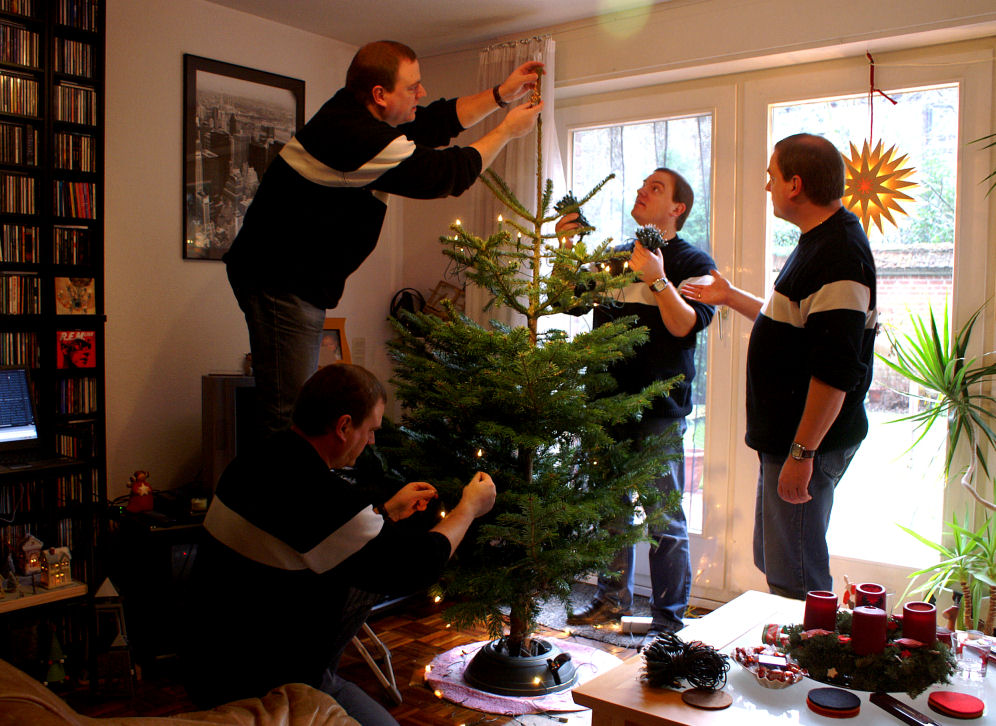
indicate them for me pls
(871, 98)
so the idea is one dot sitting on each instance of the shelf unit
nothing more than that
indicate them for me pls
(51, 274)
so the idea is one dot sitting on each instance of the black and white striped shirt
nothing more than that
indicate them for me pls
(820, 321)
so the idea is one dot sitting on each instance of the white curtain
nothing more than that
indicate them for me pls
(516, 164)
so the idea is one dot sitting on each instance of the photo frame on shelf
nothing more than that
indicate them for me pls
(335, 346)
(235, 121)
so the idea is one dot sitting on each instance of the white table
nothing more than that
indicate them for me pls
(619, 698)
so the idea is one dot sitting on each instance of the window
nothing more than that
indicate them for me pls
(632, 151)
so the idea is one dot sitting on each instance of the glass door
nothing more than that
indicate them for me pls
(676, 131)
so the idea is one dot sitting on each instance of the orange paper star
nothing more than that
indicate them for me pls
(873, 182)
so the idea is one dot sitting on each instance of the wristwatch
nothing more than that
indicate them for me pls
(799, 452)
(659, 285)
(497, 95)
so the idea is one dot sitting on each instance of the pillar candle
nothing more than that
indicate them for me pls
(868, 630)
(870, 594)
(920, 622)
(821, 610)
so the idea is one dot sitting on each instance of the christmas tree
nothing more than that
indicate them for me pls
(534, 409)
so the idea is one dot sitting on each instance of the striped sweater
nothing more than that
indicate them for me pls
(320, 205)
(288, 540)
(820, 321)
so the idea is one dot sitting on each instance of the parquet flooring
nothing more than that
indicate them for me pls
(414, 638)
(414, 633)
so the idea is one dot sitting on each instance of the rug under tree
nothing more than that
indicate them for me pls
(553, 615)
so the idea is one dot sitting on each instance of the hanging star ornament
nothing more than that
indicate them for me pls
(873, 183)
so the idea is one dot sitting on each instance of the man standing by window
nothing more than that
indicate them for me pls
(664, 201)
(809, 364)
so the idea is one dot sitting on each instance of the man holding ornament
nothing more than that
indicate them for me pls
(320, 204)
(295, 542)
(809, 363)
(673, 322)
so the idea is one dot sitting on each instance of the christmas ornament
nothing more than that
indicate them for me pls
(873, 179)
(873, 183)
(141, 498)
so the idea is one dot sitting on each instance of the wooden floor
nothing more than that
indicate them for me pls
(414, 635)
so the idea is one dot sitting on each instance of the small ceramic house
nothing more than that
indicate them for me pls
(29, 555)
(55, 567)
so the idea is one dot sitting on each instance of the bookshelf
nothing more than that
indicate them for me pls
(51, 283)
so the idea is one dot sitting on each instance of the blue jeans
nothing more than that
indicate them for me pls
(670, 564)
(285, 334)
(790, 540)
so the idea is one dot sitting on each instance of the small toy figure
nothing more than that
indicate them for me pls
(141, 499)
(8, 584)
(849, 596)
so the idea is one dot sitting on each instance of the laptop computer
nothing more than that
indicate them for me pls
(21, 448)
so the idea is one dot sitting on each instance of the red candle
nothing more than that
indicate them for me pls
(869, 594)
(920, 622)
(868, 630)
(821, 610)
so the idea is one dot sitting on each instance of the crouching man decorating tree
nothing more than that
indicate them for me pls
(290, 541)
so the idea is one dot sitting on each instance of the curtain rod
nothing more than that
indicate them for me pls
(510, 43)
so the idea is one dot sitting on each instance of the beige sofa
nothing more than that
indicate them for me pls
(26, 702)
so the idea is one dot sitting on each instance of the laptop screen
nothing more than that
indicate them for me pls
(18, 428)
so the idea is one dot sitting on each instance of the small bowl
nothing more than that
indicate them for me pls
(774, 678)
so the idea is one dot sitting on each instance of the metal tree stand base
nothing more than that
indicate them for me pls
(547, 670)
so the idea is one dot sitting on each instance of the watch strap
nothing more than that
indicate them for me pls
(494, 92)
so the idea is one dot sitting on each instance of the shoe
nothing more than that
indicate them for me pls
(597, 613)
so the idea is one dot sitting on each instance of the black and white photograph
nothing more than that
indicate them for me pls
(236, 120)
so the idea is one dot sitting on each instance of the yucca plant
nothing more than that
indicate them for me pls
(956, 389)
(954, 571)
(956, 395)
(982, 566)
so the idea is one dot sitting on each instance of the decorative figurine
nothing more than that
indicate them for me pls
(141, 493)
(55, 567)
(29, 555)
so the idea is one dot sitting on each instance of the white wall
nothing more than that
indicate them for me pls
(169, 320)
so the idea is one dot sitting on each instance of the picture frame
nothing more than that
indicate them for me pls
(335, 346)
(445, 291)
(235, 121)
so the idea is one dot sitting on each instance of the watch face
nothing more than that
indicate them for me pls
(799, 452)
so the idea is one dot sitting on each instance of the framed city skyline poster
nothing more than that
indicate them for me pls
(335, 347)
(235, 121)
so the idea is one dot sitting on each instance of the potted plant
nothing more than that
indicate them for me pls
(957, 393)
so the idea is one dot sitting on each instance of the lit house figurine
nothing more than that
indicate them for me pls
(55, 567)
(29, 555)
